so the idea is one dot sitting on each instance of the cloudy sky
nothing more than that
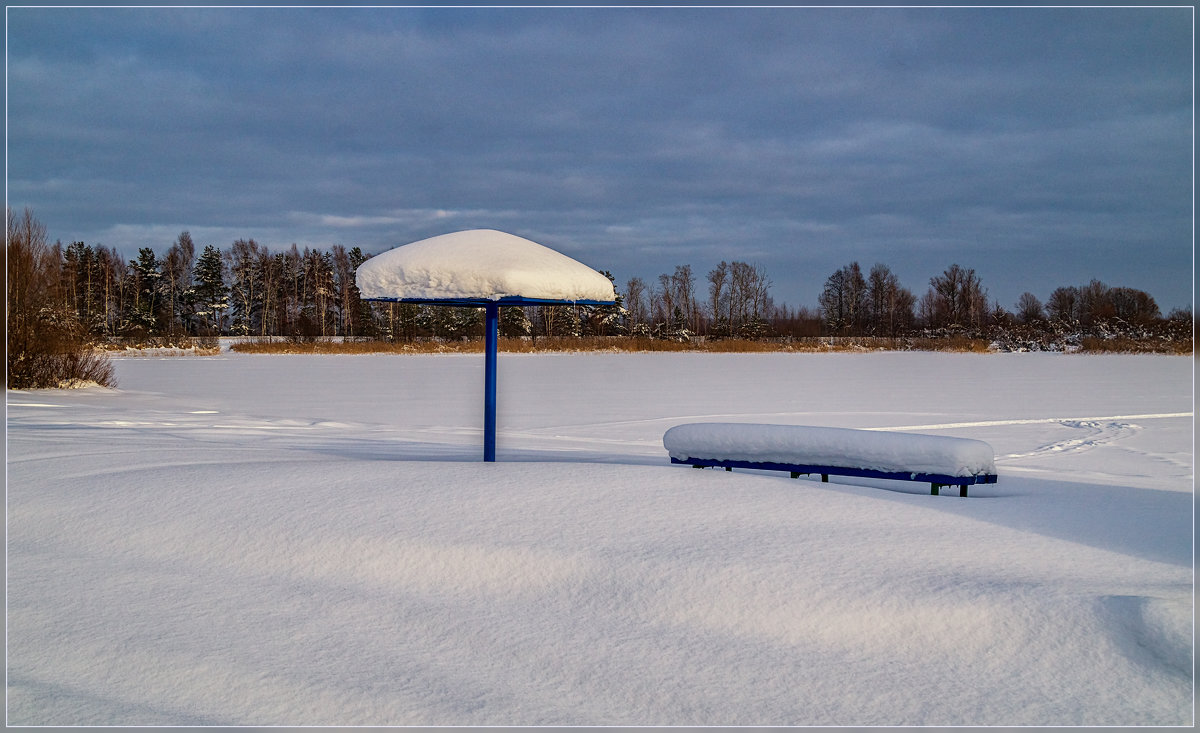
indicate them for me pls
(1041, 147)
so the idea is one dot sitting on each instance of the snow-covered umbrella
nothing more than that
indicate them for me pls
(482, 268)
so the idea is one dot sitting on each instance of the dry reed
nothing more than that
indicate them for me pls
(1124, 345)
(614, 344)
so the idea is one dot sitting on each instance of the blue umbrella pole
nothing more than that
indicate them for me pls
(491, 336)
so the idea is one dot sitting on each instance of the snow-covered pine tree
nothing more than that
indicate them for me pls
(464, 323)
(429, 319)
(605, 320)
(320, 305)
(675, 328)
(81, 278)
(560, 320)
(408, 319)
(513, 322)
(147, 284)
(361, 320)
(210, 294)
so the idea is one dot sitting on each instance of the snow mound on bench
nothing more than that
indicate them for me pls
(479, 264)
(841, 447)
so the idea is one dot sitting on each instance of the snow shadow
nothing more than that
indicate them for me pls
(71, 707)
(1151, 524)
(1147, 523)
(391, 449)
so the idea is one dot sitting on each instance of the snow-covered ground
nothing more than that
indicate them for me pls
(289, 540)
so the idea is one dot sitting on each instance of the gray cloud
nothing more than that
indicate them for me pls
(1040, 146)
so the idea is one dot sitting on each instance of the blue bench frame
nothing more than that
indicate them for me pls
(935, 480)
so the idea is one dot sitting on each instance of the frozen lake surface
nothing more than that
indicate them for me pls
(313, 540)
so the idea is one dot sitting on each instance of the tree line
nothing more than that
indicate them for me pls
(877, 305)
(94, 294)
(243, 290)
(249, 290)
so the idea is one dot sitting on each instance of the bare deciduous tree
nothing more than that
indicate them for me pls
(955, 298)
(718, 298)
(177, 267)
(844, 302)
(245, 261)
(889, 305)
(47, 346)
(636, 307)
(1029, 308)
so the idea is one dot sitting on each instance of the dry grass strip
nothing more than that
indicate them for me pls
(613, 344)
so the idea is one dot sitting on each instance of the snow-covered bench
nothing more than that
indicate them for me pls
(936, 460)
